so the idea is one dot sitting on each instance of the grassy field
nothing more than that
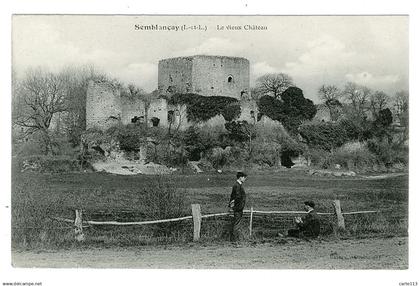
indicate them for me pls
(36, 198)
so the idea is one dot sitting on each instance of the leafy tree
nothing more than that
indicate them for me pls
(273, 84)
(291, 110)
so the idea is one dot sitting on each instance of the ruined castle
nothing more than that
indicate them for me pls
(203, 75)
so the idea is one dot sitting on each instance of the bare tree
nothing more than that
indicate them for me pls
(274, 84)
(401, 107)
(357, 96)
(330, 95)
(39, 96)
(378, 101)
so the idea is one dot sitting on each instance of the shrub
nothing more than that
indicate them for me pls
(50, 164)
(325, 135)
(130, 137)
(388, 153)
(318, 157)
(219, 156)
(198, 141)
(239, 156)
(32, 223)
(240, 131)
(166, 153)
(266, 153)
(354, 155)
(31, 146)
(163, 200)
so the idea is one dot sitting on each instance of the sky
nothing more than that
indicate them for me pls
(313, 50)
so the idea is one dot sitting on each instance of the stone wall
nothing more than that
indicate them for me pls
(103, 105)
(205, 75)
(132, 109)
(249, 111)
(220, 76)
(175, 75)
(158, 109)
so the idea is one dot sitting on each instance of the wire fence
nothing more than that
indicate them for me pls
(127, 227)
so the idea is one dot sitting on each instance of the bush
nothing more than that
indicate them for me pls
(354, 156)
(31, 146)
(325, 135)
(198, 141)
(166, 153)
(32, 223)
(163, 200)
(130, 137)
(266, 153)
(232, 156)
(318, 157)
(388, 153)
(50, 164)
(219, 157)
(240, 131)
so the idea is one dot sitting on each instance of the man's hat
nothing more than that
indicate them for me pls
(310, 203)
(240, 174)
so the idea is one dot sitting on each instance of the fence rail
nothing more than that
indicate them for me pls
(197, 219)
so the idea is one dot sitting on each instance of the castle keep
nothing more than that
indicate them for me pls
(203, 75)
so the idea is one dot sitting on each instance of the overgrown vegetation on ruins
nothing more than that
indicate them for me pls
(202, 108)
(364, 130)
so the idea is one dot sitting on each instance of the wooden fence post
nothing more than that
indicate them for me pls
(196, 214)
(250, 222)
(78, 226)
(340, 217)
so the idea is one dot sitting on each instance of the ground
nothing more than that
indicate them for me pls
(372, 253)
(376, 241)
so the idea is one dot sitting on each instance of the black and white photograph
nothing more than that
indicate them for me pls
(209, 142)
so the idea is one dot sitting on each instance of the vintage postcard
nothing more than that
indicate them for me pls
(210, 142)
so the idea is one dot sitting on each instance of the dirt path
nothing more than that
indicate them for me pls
(374, 253)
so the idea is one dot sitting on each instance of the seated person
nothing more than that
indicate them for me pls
(309, 225)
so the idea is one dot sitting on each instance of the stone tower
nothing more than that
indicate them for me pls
(205, 75)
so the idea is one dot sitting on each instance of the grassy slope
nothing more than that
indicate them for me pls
(36, 197)
(282, 190)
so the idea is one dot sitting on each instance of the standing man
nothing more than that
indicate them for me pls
(237, 204)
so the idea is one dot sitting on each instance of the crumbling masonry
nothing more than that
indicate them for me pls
(203, 75)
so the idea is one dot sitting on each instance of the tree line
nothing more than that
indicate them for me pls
(52, 107)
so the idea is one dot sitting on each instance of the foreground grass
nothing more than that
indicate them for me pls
(38, 197)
